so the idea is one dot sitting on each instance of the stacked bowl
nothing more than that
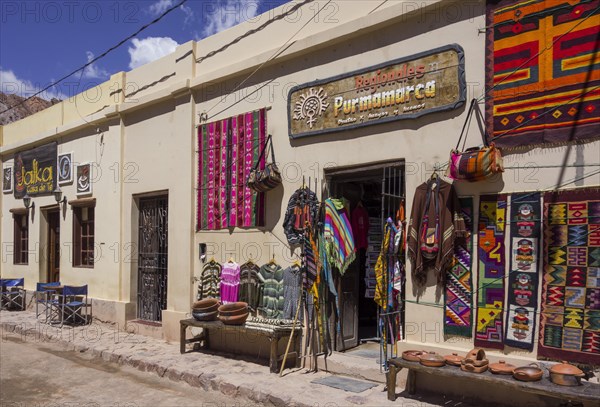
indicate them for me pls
(206, 310)
(234, 313)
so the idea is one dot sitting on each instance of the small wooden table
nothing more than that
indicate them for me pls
(273, 333)
(585, 393)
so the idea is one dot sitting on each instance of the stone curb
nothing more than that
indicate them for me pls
(171, 370)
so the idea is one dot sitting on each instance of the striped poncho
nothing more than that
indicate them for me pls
(338, 235)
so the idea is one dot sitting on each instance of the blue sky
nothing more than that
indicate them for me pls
(43, 40)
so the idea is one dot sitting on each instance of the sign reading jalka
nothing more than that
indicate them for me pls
(406, 88)
(35, 171)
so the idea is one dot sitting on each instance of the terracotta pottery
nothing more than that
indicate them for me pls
(413, 355)
(454, 359)
(530, 373)
(476, 358)
(476, 354)
(234, 319)
(233, 309)
(469, 367)
(566, 374)
(206, 305)
(432, 360)
(501, 367)
(205, 316)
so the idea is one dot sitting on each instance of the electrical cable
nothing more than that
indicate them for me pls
(93, 60)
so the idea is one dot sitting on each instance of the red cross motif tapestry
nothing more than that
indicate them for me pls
(570, 317)
(543, 71)
(227, 151)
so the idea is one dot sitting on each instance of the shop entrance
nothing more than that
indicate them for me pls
(53, 246)
(375, 192)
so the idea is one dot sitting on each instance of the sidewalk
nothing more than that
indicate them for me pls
(236, 378)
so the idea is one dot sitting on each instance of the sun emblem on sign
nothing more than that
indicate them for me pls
(311, 105)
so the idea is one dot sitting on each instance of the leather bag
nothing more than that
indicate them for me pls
(269, 178)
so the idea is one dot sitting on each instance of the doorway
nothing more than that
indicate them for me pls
(378, 191)
(152, 257)
(53, 246)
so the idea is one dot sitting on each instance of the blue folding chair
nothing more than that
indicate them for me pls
(12, 293)
(75, 306)
(42, 297)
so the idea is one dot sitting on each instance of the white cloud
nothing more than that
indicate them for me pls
(160, 6)
(150, 49)
(10, 83)
(227, 13)
(92, 71)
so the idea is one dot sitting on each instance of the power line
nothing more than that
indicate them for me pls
(93, 60)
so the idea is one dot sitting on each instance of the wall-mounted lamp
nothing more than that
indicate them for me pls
(58, 196)
(27, 202)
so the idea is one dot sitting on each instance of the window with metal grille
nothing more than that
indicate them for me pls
(21, 239)
(83, 236)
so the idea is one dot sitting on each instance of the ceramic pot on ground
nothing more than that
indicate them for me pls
(502, 368)
(566, 374)
(454, 359)
(531, 373)
(413, 355)
(432, 360)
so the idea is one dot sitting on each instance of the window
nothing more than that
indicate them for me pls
(83, 236)
(21, 241)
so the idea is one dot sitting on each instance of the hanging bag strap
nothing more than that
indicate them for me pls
(268, 143)
(473, 107)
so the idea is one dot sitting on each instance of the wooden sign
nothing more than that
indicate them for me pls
(35, 171)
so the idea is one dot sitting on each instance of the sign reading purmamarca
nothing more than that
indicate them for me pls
(35, 171)
(405, 88)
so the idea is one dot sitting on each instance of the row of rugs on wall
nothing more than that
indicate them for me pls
(567, 228)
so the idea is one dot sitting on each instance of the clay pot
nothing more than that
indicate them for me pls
(233, 309)
(469, 367)
(413, 355)
(476, 358)
(566, 374)
(234, 319)
(501, 367)
(432, 360)
(530, 373)
(453, 360)
(205, 316)
(206, 305)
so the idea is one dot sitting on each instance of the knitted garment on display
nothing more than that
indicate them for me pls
(271, 303)
(301, 211)
(250, 285)
(570, 315)
(338, 235)
(210, 281)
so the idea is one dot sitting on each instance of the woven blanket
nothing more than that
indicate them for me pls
(525, 232)
(543, 75)
(570, 317)
(490, 287)
(338, 235)
(459, 288)
(227, 152)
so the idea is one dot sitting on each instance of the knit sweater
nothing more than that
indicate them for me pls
(303, 207)
(250, 285)
(292, 292)
(271, 303)
(210, 281)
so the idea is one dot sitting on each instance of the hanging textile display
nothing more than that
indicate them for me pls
(435, 222)
(338, 235)
(303, 208)
(292, 291)
(459, 287)
(310, 260)
(542, 79)
(227, 151)
(525, 232)
(210, 279)
(381, 270)
(490, 287)
(250, 285)
(230, 282)
(570, 317)
(271, 302)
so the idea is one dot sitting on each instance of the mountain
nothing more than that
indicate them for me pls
(33, 105)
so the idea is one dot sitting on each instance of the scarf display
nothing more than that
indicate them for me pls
(525, 233)
(443, 219)
(490, 284)
(338, 235)
(570, 315)
(459, 286)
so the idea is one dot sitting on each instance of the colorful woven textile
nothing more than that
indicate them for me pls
(382, 270)
(525, 232)
(338, 235)
(570, 317)
(542, 63)
(490, 287)
(459, 288)
(227, 151)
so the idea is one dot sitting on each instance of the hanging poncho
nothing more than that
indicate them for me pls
(338, 235)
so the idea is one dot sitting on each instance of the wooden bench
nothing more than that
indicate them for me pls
(587, 392)
(273, 333)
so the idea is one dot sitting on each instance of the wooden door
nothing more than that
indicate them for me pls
(53, 248)
(348, 296)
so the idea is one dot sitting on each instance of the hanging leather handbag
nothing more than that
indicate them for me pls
(268, 178)
(474, 164)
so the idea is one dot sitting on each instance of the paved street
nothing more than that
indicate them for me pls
(42, 374)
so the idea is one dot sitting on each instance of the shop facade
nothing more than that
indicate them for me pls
(335, 122)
